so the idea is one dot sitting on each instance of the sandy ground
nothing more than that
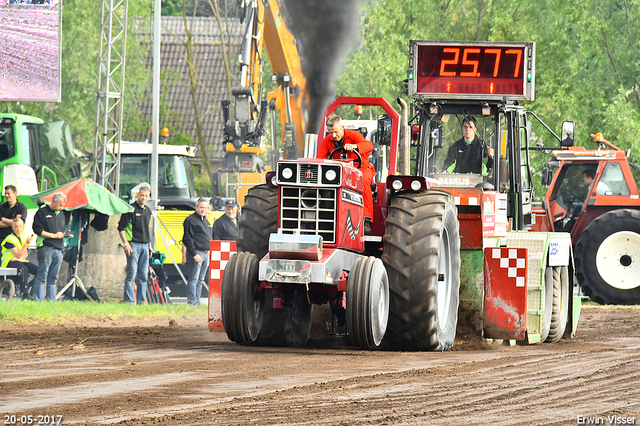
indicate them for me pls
(178, 373)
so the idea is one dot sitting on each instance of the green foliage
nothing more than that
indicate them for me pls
(171, 7)
(25, 312)
(587, 53)
(203, 184)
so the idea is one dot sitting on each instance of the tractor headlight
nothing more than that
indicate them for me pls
(416, 185)
(397, 184)
(330, 175)
(287, 173)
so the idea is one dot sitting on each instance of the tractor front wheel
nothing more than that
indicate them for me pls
(608, 258)
(286, 327)
(367, 302)
(242, 302)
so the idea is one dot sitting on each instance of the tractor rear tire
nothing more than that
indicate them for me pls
(560, 309)
(608, 258)
(282, 327)
(242, 302)
(259, 219)
(422, 258)
(367, 302)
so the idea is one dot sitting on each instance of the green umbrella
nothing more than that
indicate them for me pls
(88, 195)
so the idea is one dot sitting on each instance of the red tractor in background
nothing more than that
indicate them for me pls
(594, 196)
(440, 244)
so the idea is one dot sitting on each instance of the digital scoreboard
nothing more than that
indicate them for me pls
(472, 70)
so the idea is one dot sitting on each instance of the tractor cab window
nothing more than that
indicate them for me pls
(457, 154)
(612, 181)
(7, 140)
(174, 177)
(571, 190)
(452, 153)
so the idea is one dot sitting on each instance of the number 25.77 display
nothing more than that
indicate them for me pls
(480, 70)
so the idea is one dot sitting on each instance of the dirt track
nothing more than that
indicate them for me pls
(181, 374)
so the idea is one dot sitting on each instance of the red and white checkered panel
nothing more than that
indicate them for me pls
(466, 201)
(505, 313)
(220, 251)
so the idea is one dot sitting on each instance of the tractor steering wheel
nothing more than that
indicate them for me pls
(344, 155)
(577, 197)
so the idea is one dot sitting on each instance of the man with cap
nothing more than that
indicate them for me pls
(226, 226)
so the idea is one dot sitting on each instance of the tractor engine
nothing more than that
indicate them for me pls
(321, 197)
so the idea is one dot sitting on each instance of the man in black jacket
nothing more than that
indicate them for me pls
(225, 228)
(134, 233)
(467, 154)
(196, 240)
(49, 224)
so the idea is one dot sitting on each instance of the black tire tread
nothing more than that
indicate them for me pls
(411, 242)
(259, 219)
(585, 253)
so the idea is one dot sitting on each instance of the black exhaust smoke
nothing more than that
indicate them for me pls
(326, 31)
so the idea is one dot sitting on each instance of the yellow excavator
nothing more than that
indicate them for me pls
(264, 26)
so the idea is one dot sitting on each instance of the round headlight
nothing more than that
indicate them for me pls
(416, 185)
(287, 173)
(330, 175)
(397, 184)
(274, 181)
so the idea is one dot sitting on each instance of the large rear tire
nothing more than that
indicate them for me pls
(242, 302)
(288, 327)
(560, 309)
(367, 302)
(422, 258)
(608, 258)
(259, 220)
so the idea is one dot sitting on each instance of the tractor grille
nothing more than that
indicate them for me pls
(309, 173)
(312, 211)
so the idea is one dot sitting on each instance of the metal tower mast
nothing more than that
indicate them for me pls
(110, 94)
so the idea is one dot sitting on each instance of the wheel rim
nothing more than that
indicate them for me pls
(380, 301)
(618, 260)
(444, 279)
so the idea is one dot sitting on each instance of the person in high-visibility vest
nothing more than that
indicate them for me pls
(15, 249)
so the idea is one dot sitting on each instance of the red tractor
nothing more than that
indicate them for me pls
(440, 243)
(594, 196)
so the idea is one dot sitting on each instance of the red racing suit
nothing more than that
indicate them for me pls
(364, 148)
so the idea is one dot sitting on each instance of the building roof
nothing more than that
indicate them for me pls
(209, 68)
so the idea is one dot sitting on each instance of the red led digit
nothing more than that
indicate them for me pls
(518, 53)
(446, 62)
(465, 61)
(496, 52)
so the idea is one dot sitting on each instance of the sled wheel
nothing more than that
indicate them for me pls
(367, 302)
(560, 309)
(241, 300)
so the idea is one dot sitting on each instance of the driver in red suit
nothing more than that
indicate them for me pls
(350, 140)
